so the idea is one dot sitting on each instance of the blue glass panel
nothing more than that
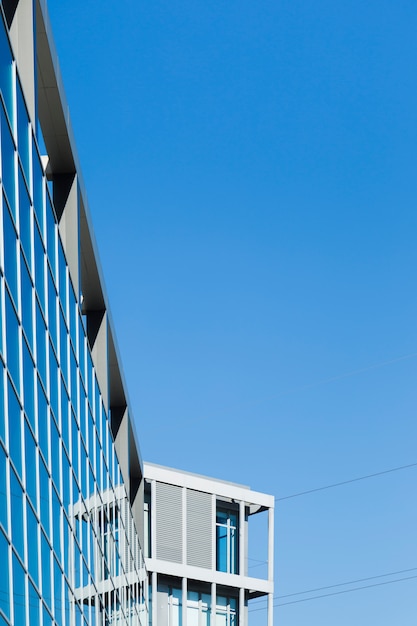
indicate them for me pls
(34, 615)
(40, 344)
(65, 415)
(6, 75)
(28, 384)
(83, 460)
(39, 267)
(54, 381)
(57, 591)
(66, 475)
(46, 569)
(25, 215)
(32, 541)
(44, 496)
(27, 303)
(56, 523)
(15, 428)
(51, 228)
(4, 578)
(43, 422)
(1, 315)
(12, 342)
(73, 309)
(2, 411)
(74, 379)
(3, 489)
(63, 345)
(31, 463)
(90, 436)
(47, 619)
(38, 187)
(8, 163)
(19, 603)
(82, 347)
(10, 253)
(62, 268)
(52, 309)
(16, 499)
(75, 444)
(22, 130)
(55, 453)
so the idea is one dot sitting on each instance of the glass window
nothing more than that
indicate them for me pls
(63, 346)
(34, 605)
(3, 490)
(44, 496)
(62, 268)
(43, 422)
(2, 411)
(37, 187)
(28, 384)
(51, 235)
(75, 444)
(73, 308)
(52, 309)
(19, 596)
(40, 344)
(16, 499)
(6, 73)
(57, 591)
(10, 253)
(15, 428)
(25, 214)
(39, 267)
(22, 130)
(12, 342)
(4, 578)
(226, 541)
(32, 543)
(55, 453)
(8, 162)
(31, 465)
(27, 303)
(53, 381)
(46, 569)
(56, 523)
(74, 379)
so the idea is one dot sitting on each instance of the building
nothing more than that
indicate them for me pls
(72, 487)
(196, 549)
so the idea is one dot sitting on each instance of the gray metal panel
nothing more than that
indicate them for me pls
(168, 511)
(199, 529)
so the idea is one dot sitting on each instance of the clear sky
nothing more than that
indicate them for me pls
(251, 172)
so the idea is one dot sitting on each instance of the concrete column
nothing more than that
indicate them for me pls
(22, 35)
(154, 598)
(213, 525)
(65, 192)
(153, 553)
(270, 564)
(242, 539)
(242, 621)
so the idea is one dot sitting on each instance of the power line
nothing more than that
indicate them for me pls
(346, 482)
(349, 582)
(337, 593)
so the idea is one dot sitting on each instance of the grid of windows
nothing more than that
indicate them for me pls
(65, 527)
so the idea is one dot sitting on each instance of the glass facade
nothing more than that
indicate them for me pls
(69, 550)
(226, 541)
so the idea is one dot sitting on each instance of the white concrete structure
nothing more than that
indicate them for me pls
(196, 549)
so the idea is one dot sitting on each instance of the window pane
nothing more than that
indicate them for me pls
(31, 464)
(22, 130)
(10, 253)
(16, 500)
(8, 163)
(12, 342)
(27, 303)
(28, 384)
(33, 549)
(4, 578)
(25, 214)
(19, 603)
(3, 490)
(15, 429)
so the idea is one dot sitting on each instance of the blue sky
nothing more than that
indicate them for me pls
(250, 169)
